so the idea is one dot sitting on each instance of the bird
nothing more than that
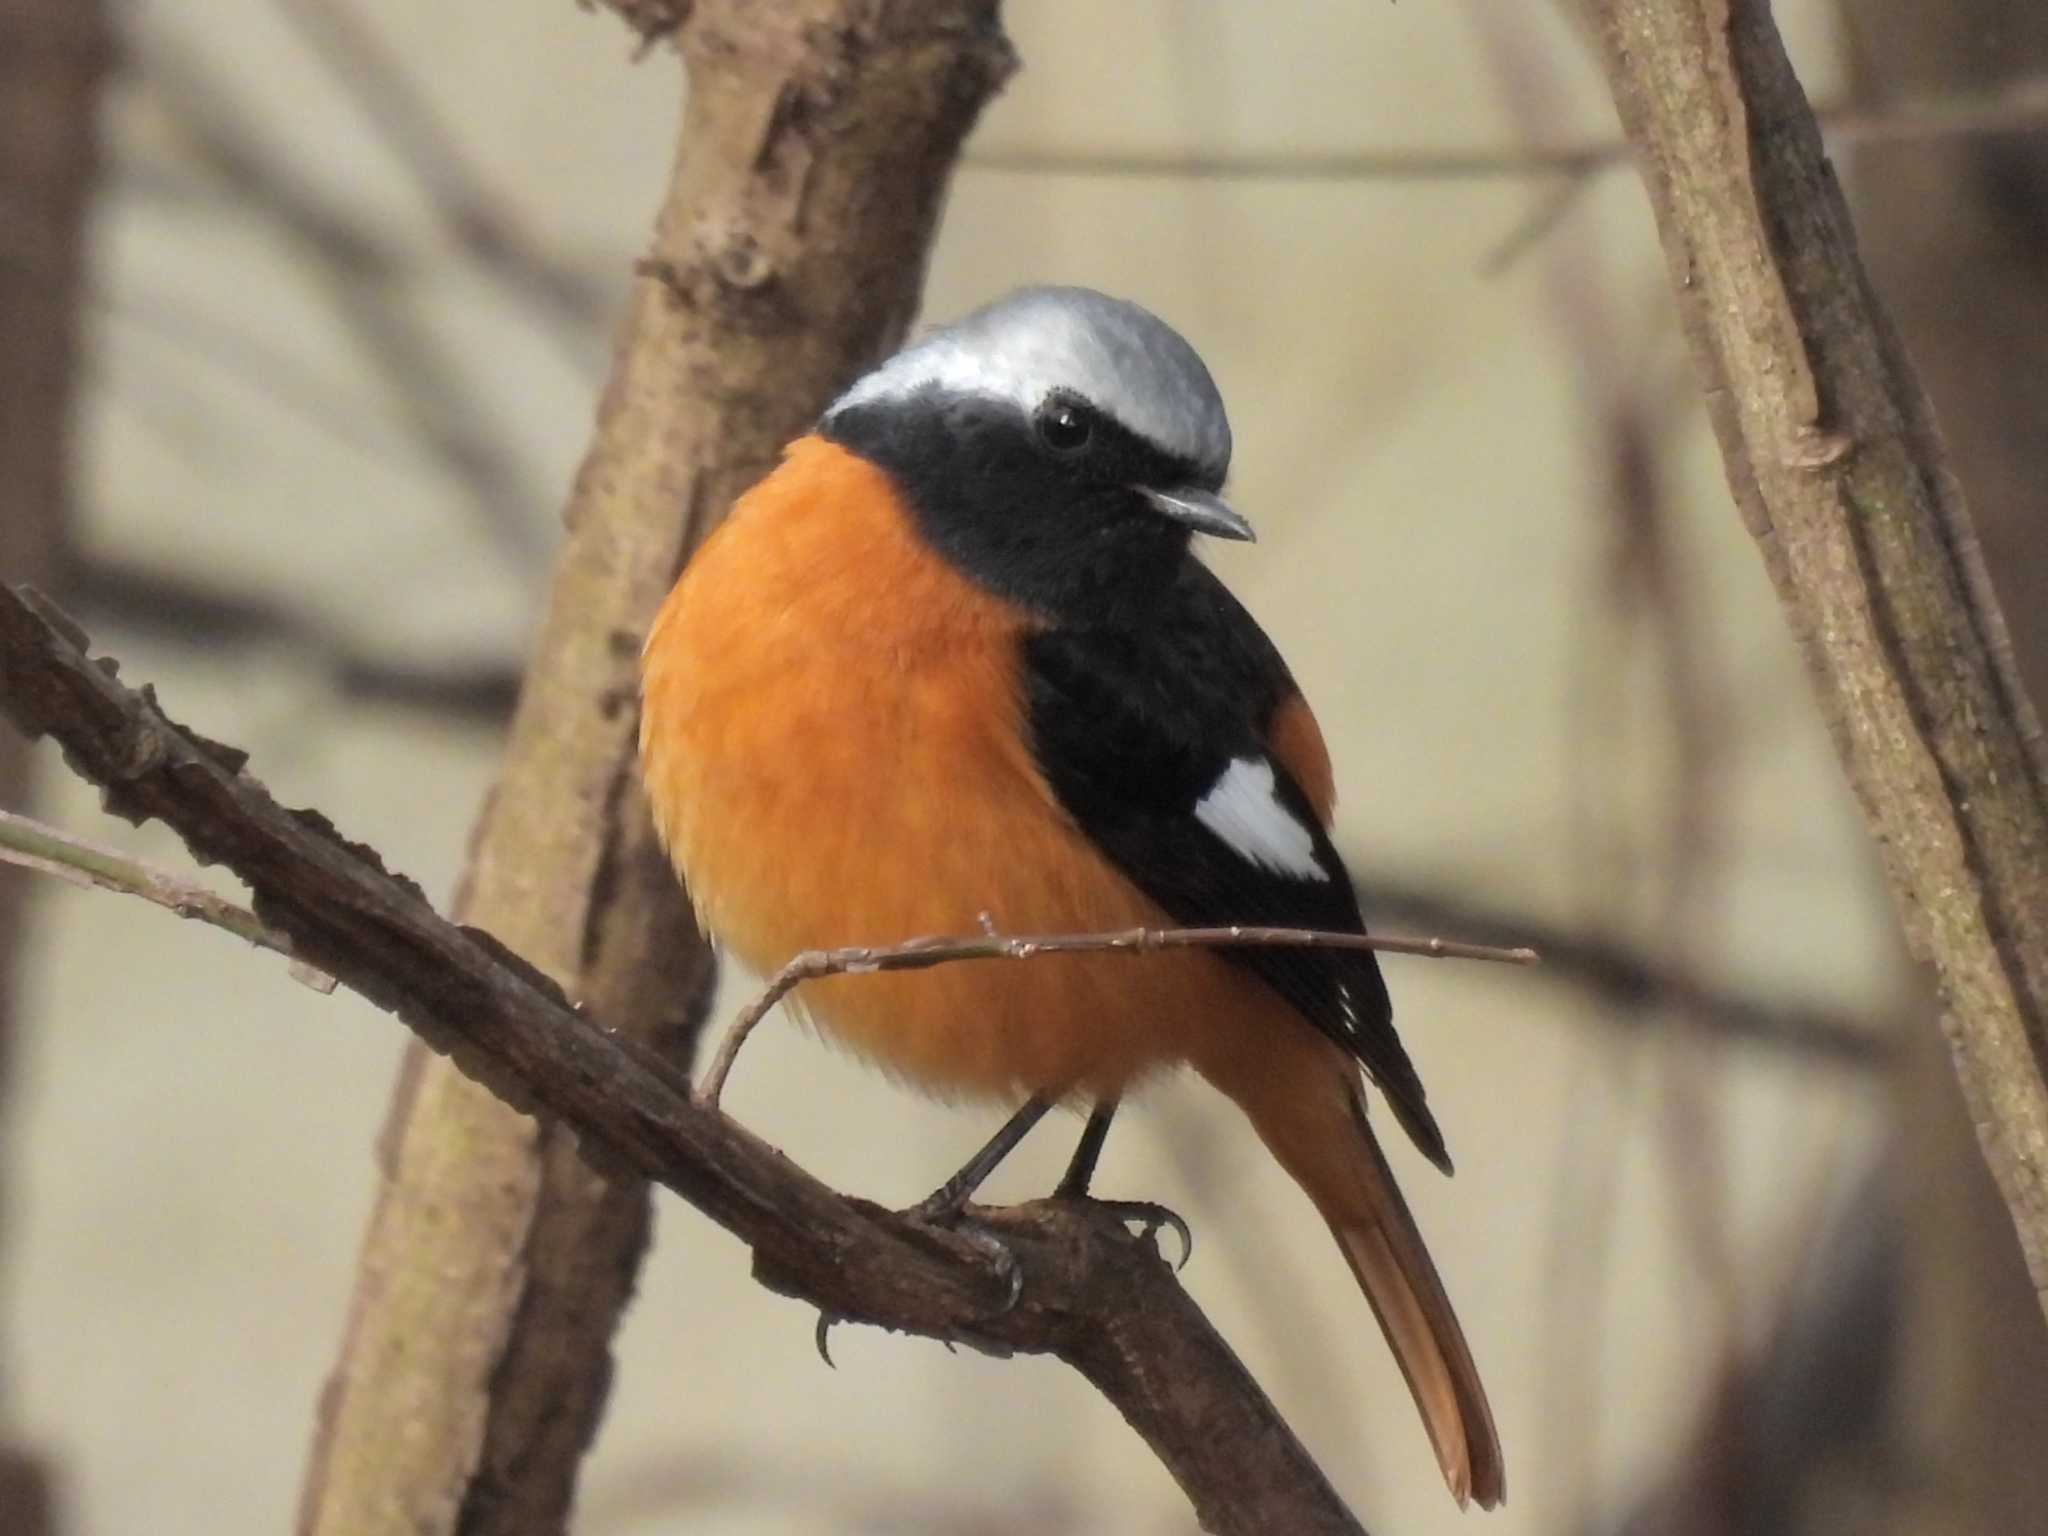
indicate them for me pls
(954, 665)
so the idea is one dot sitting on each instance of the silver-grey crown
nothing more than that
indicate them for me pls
(1122, 359)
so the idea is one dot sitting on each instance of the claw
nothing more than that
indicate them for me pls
(825, 1322)
(945, 1209)
(941, 1208)
(1008, 1270)
(1151, 1218)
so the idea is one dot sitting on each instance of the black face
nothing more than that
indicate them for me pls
(1045, 511)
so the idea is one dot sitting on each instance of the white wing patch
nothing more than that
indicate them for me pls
(1350, 1009)
(1243, 809)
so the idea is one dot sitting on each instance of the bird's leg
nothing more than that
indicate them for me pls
(944, 1204)
(1149, 1216)
(1073, 1184)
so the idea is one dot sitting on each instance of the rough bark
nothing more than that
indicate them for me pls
(1834, 459)
(815, 148)
(1957, 233)
(53, 55)
(1956, 236)
(1091, 1293)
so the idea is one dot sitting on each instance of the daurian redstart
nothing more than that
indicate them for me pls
(953, 663)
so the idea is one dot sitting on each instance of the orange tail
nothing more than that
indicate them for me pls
(1304, 1101)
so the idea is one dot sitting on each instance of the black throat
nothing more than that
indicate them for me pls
(1068, 536)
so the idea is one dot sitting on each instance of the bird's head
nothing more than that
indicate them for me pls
(1059, 446)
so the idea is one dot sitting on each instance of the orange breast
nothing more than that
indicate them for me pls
(834, 747)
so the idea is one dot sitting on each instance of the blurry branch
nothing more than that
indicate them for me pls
(817, 141)
(1838, 469)
(1796, 1435)
(1652, 609)
(393, 102)
(195, 610)
(359, 272)
(2023, 108)
(922, 954)
(54, 56)
(1639, 987)
(1901, 1367)
(1093, 1295)
(1956, 241)
(1294, 165)
(159, 168)
(187, 333)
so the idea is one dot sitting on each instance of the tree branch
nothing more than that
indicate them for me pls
(817, 139)
(1835, 461)
(1093, 1295)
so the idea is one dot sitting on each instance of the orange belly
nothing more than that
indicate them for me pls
(832, 739)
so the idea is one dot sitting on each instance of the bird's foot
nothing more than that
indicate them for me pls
(946, 1207)
(1148, 1217)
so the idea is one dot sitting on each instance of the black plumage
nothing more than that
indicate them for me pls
(1144, 683)
(1132, 728)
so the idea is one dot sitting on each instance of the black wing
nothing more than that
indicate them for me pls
(1153, 740)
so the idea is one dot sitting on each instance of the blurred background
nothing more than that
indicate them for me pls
(352, 270)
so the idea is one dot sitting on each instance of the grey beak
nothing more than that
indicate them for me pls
(1203, 511)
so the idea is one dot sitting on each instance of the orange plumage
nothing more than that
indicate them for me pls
(823, 784)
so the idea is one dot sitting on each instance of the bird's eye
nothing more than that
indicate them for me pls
(1064, 427)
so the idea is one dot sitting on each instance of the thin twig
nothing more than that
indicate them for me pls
(197, 610)
(30, 844)
(919, 954)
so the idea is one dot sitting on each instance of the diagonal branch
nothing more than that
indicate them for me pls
(1839, 471)
(815, 145)
(1093, 1296)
